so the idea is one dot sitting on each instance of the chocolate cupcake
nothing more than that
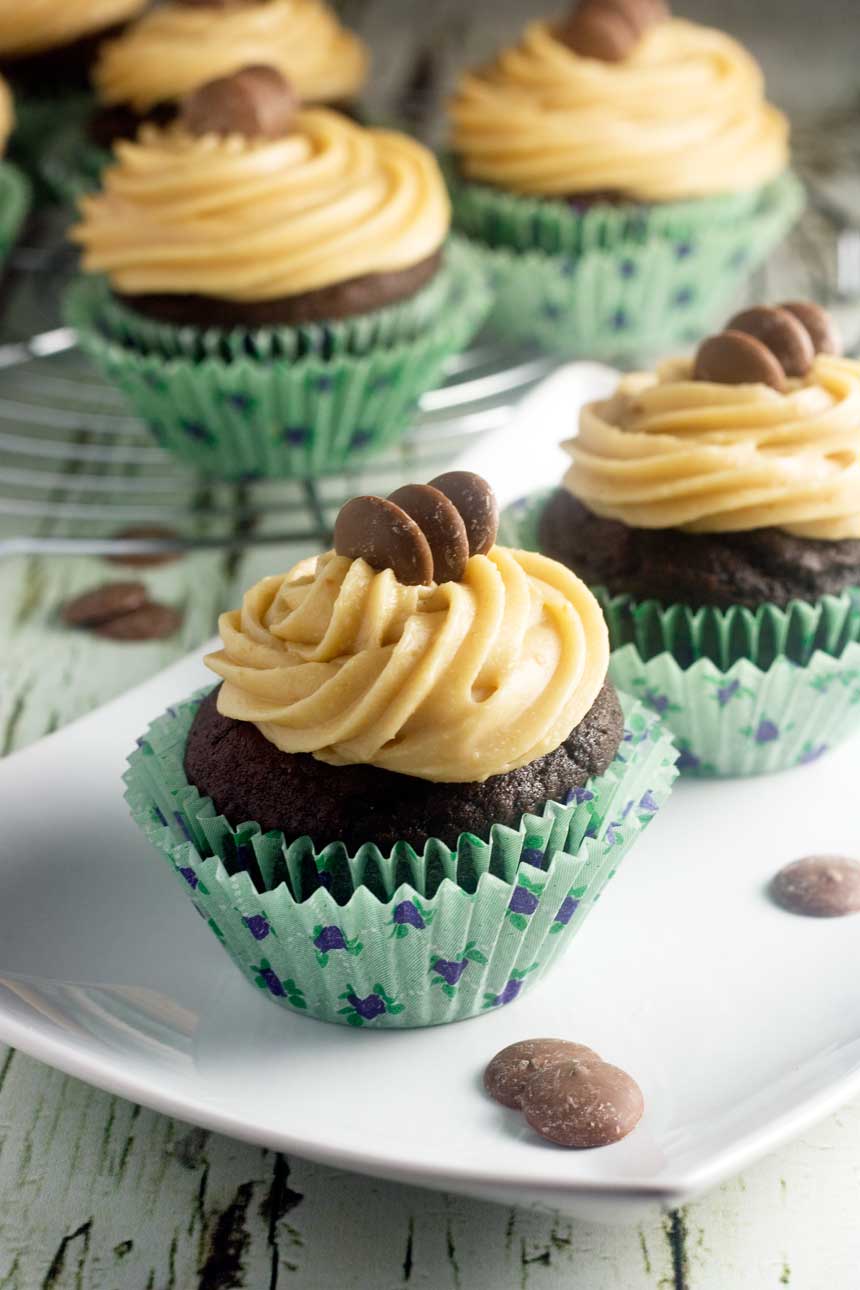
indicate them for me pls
(621, 171)
(419, 725)
(278, 289)
(715, 503)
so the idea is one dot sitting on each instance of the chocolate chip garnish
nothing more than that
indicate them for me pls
(380, 532)
(442, 525)
(150, 622)
(510, 1070)
(819, 886)
(582, 1103)
(477, 504)
(609, 30)
(257, 102)
(734, 358)
(100, 604)
(145, 533)
(820, 327)
(783, 334)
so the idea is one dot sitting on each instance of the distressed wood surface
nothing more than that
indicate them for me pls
(98, 1194)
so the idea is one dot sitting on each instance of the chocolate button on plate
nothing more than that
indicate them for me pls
(149, 623)
(100, 604)
(442, 525)
(734, 358)
(582, 1104)
(819, 886)
(820, 327)
(783, 334)
(510, 1070)
(477, 504)
(380, 532)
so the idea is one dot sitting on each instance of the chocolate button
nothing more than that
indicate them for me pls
(477, 504)
(819, 886)
(510, 1070)
(640, 14)
(734, 358)
(601, 34)
(582, 1103)
(380, 532)
(820, 327)
(783, 333)
(256, 102)
(149, 623)
(103, 603)
(442, 525)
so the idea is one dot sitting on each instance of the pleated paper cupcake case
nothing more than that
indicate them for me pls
(15, 198)
(402, 940)
(253, 418)
(637, 297)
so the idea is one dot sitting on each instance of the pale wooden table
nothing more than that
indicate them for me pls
(97, 1194)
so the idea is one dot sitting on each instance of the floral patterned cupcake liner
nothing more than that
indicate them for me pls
(254, 418)
(398, 940)
(15, 197)
(611, 284)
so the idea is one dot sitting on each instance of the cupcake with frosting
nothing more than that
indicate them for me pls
(622, 170)
(414, 778)
(14, 188)
(272, 286)
(714, 505)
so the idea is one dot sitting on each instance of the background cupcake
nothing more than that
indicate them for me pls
(145, 73)
(622, 171)
(716, 504)
(440, 778)
(278, 289)
(14, 189)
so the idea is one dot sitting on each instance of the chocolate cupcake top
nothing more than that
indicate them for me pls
(179, 46)
(728, 441)
(451, 681)
(622, 98)
(31, 26)
(252, 217)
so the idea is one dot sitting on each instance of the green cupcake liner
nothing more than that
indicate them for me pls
(401, 321)
(15, 198)
(38, 123)
(251, 419)
(743, 691)
(70, 164)
(400, 940)
(622, 297)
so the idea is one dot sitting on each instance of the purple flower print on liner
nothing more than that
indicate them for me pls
(567, 909)
(578, 795)
(448, 972)
(690, 763)
(358, 1010)
(328, 940)
(186, 872)
(258, 925)
(766, 732)
(266, 978)
(811, 752)
(726, 691)
(653, 699)
(510, 990)
(408, 914)
(523, 903)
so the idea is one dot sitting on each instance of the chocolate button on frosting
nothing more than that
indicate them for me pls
(783, 334)
(734, 358)
(818, 324)
(819, 886)
(380, 532)
(442, 525)
(582, 1104)
(477, 504)
(510, 1070)
(257, 102)
(609, 30)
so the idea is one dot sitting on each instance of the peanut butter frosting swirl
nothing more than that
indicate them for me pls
(453, 682)
(244, 219)
(176, 48)
(683, 116)
(670, 452)
(30, 26)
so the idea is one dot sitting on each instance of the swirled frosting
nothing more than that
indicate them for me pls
(259, 220)
(453, 682)
(30, 26)
(7, 114)
(670, 452)
(176, 48)
(683, 116)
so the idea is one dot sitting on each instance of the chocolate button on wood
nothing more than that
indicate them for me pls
(100, 604)
(821, 328)
(256, 102)
(442, 525)
(380, 532)
(734, 358)
(819, 886)
(582, 1104)
(510, 1070)
(783, 333)
(149, 623)
(477, 504)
